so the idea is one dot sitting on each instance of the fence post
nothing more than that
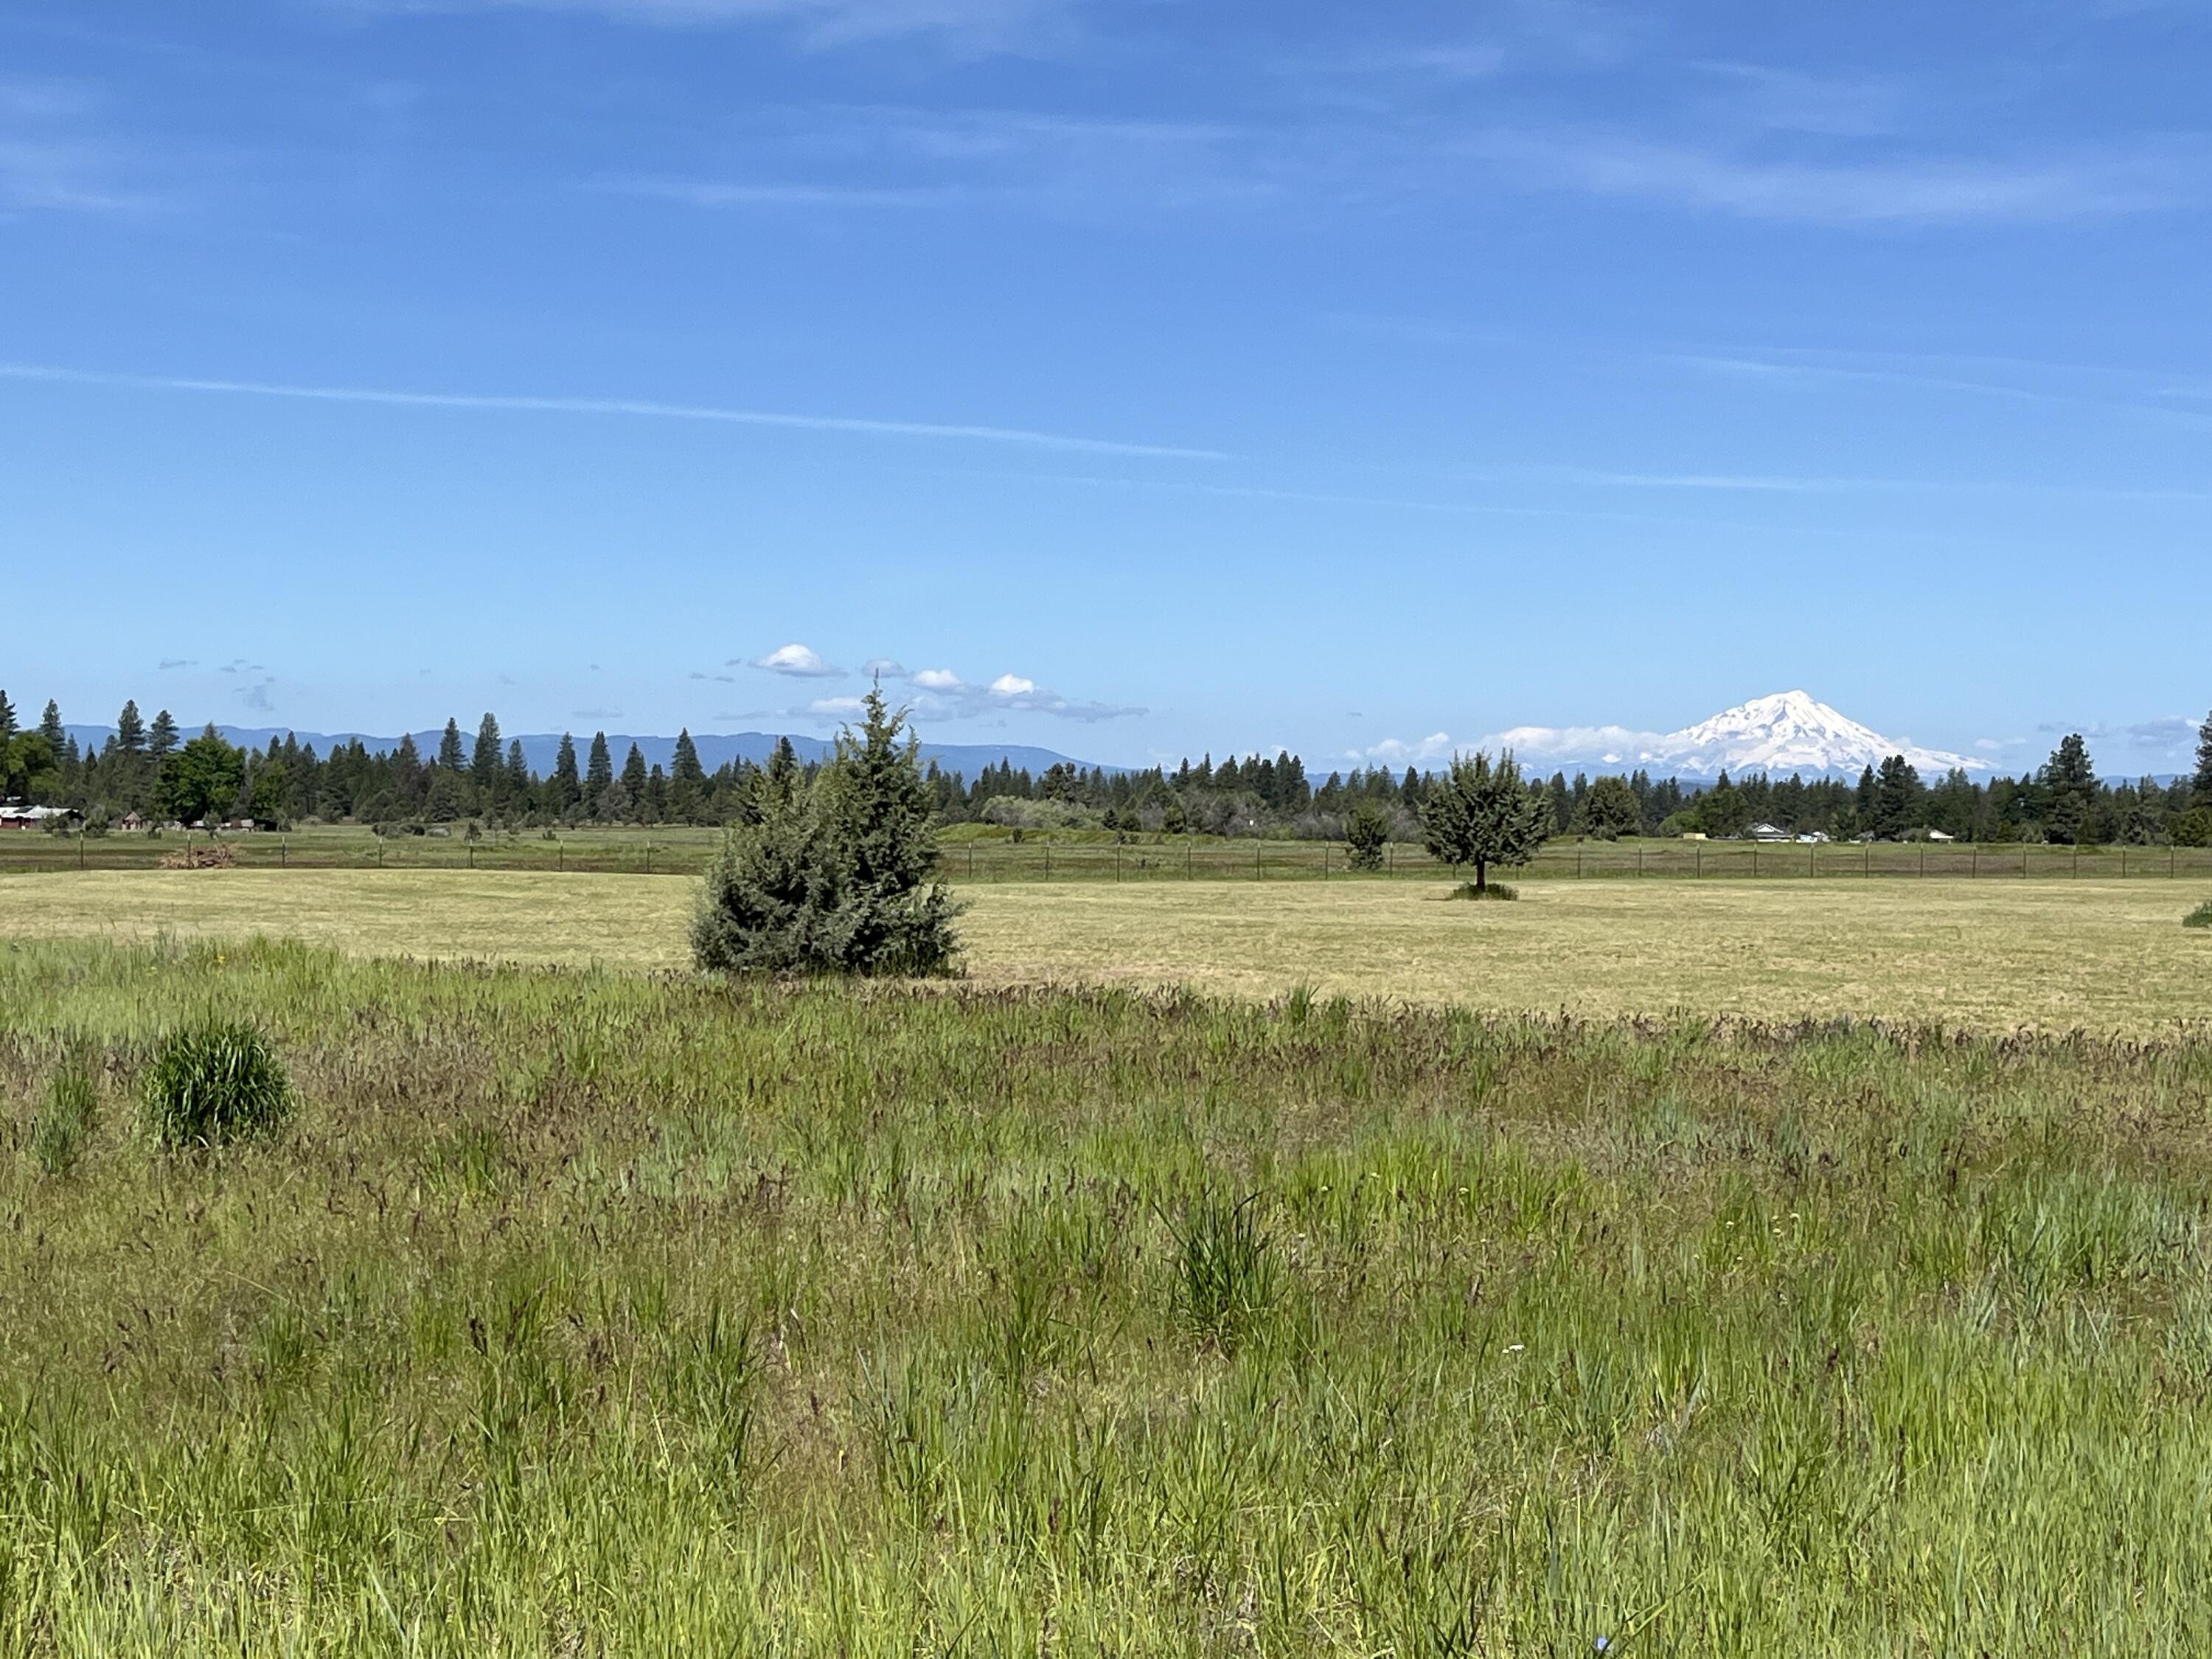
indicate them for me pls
(1975, 868)
(1189, 849)
(1866, 859)
(79, 849)
(1754, 861)
(1639, 858)
(1117, 861)
(1255, 860)
(284, 853)
(1923, 860)
(380, 852)
(2023, 860)
(2077, 861)
(560, 856)
(1699, 868)
(1048, 861)
(1579, 860)
(648, 858)
(1324, 860)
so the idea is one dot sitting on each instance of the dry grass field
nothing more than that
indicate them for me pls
(1988, 957)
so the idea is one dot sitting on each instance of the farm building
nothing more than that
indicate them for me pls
(32, 818)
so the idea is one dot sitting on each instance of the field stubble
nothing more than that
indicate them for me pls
(2108, 957)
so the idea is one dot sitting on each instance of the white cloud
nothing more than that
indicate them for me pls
(938, 679)
(1011, 685)
(884, 668)
(800, 661)
(1533, 743)
(833, 707)
(1397, 751)
(939, 694)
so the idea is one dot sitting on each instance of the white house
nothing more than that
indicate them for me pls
(1768, 832)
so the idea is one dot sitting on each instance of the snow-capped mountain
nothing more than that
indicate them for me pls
(1789, 732)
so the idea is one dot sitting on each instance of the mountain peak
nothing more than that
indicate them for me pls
(1792, 732)
(1780, 733)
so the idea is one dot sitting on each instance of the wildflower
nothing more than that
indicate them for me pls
(1515, 1347)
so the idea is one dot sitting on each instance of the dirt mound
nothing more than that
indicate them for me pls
(215, 856)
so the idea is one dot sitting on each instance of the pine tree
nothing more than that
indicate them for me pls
(131, 731)
(599, 770)
(1896, 793)
(687, 782)
(1483, 814)
(2068, 780)
(634, 777)
(51, 728)
(450, 757)
(567, 789)
(162, 736)
(835, 876)
(484, 765)
(515, 787)
(1367, 834)
(8, 727)
(2203, 789)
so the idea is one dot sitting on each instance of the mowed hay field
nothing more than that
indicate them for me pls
(1986, 956)
(582, 1312)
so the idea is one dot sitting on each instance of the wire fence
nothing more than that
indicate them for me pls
(687, 853)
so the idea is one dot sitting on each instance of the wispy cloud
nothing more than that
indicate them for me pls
(56, 156)
(606, 406)
(968, 25)
(1922, 190)
(169, 663)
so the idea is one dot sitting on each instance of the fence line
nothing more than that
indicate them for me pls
(1155, 861)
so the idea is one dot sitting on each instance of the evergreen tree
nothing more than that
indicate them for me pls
(835, 875)
(8, 727)
(1896, 795)
(1481, 814)
(162, 736)
(599, 770)
(2068, 783)
(49, 728)
(515, 788)
(2203, 789)
(131, 731)
(634, 777)
(568, 789)
(1609, 809)
(407, 782)
(485, 768)
(1367, 834)
(202, 780)
(450, 757)
(687, 782)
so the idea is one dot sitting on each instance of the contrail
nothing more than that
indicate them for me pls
(996, 434)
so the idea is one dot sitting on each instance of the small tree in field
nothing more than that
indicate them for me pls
(830, 874)
(1366, 833)
(1483, 814)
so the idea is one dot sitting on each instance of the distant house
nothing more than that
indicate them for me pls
(1693, 834)
(32, 818)
(1937, 834)
(1768, 832)
(1813, 837)
(131, 821)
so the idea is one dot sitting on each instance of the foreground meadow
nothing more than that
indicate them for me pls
(2109, 957)
(583, 1311)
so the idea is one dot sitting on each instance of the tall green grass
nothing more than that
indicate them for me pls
(577, 1313)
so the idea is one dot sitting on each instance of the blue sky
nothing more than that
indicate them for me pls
(1135, 377)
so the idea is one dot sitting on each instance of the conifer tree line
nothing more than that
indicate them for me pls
(145, 768)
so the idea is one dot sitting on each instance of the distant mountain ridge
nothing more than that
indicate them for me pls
(540, 749)
(1789, 732)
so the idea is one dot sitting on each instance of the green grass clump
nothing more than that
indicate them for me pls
(65, 1118)
(213, 1083)
(1496, 890)
(2200, 917)
(610, 1314)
